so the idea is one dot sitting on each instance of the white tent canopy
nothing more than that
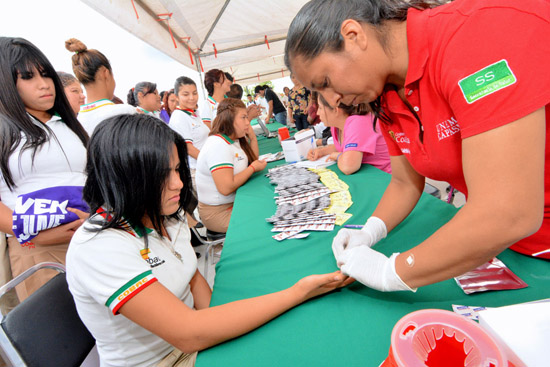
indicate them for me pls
(243, 37)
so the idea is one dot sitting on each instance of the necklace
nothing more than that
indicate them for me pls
(177, 254)
(171, 247)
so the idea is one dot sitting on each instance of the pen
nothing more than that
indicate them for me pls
(353, 226)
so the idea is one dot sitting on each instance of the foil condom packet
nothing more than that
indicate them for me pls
(491, 276)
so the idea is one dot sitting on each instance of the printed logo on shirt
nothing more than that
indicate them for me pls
(154, 261)
(486, 81)
(129, 290)
(350, 145)
(447, 128)
(401, 138)
(44, 209)
(238, 157)
(95, 105)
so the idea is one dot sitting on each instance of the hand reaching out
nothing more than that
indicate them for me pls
(315, 285)
(258, 165)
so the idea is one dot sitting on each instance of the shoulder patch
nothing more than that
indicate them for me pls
(486, 81)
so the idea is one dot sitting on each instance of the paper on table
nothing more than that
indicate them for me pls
(523, 328)
(321, 162)
(272, 157)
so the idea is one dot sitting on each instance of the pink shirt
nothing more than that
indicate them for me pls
(359, 136)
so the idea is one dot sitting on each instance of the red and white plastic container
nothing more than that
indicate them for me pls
(438, 338)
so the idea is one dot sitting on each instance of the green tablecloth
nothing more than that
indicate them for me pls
(351, 326)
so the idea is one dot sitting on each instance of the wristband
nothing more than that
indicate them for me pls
(253, 170)
(338, 156)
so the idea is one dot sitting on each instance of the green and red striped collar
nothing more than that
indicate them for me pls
(188, 111)
(125, 225)
(211, 100)
(226, 138)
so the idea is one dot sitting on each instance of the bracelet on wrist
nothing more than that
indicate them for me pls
(338, 156)
(253, 169)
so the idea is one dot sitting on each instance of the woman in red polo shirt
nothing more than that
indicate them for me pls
(462, 98)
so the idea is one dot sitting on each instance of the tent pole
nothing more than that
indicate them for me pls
(198, 66)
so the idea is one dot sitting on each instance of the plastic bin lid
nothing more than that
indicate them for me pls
(436, 338)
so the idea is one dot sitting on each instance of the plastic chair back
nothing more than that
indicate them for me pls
(45, 329)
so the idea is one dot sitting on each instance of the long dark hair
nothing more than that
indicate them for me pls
(18, 57)
(127, 172)
(316, 27)
(223, 124)
(211, 77)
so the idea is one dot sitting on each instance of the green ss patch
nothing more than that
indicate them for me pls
(486, 81)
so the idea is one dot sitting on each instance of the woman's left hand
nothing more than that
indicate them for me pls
(258, 165)
(316, 285)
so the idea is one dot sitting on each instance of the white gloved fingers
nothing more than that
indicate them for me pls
(342, 257)
(340, 241)
(347, 267)
(360, 238)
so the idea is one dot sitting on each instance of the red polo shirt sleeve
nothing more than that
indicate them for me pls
(492, 76)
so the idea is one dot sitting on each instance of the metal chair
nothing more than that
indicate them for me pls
(451, 191)
(432, 190)
(210, 240)
(45, 329)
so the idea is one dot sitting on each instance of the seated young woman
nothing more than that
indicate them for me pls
(227, 160)
(356, 142)
(131, 268)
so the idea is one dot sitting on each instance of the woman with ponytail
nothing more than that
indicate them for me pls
(463, 98)
(94, 71)
(145, 97)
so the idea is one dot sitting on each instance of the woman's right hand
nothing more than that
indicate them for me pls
(57, 235)
(258, 165)
(60, 234)
(252, 112)
(313, 154)
(316, 285)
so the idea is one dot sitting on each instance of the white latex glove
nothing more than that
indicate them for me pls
(372, 268)
(372, 232)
